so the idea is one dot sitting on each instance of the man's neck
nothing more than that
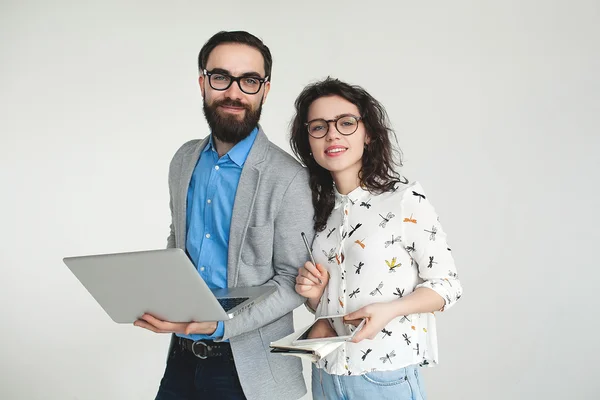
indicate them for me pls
(222, 147)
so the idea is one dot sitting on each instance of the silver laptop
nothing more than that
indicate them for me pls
(163, 283)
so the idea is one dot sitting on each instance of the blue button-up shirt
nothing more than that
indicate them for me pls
(210, 199)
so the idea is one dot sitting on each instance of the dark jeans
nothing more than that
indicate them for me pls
(188, 377)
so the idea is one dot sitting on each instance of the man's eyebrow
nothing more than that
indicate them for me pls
(219, 71)
(253, 74)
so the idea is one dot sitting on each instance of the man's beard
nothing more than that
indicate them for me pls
(228, 128)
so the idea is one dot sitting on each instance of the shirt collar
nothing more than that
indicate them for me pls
(357, 194)
(238, 153)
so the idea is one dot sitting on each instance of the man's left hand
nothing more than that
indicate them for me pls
(187, 328)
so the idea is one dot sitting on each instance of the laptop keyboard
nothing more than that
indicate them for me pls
(232, 302)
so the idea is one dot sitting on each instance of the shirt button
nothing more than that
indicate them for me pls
(217, 167)
(208, 235)
(201, 268)
(208, 201)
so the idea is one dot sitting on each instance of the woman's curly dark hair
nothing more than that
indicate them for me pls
(377, 174)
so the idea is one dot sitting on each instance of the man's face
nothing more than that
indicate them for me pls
(231, 113)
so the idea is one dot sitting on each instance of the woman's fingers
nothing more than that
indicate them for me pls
(306, 274)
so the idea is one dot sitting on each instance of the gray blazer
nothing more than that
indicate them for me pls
(272, 206)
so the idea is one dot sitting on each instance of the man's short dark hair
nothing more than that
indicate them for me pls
(241, 37)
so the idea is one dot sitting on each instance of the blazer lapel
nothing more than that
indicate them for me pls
(244, 204)
(188, 165)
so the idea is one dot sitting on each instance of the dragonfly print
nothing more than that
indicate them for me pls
(411, 219)
(431, 262)
(419, 195)
(396, 239)
(365, 204)
(386, 219)
(392, 265)
(331, 256)
(377, 289)
(432, 232)
(365, 353)
(358, 267)
(409, 250)
(354, 228)
(388, 357)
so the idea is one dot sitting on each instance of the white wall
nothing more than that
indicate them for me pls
(496, 106)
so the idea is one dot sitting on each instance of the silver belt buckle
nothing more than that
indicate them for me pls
(205, 351)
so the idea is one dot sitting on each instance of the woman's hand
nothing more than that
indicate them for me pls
(377, 316)
(311, 282)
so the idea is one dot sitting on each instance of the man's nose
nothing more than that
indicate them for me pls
(234, 92)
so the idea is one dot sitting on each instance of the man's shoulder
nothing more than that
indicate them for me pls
(282, 169)
(279, 161)
(187, 147)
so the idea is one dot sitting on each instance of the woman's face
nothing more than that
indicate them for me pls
(340, 154)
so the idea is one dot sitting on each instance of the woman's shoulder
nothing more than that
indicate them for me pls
(402, 189)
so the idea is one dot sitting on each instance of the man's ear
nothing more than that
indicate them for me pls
(267, 88)
(201, 82)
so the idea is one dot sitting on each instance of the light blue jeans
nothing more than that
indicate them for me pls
(402, 384)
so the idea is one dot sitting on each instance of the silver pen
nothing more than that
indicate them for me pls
(312, 259)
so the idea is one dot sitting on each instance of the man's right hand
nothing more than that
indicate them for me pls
(311, 282)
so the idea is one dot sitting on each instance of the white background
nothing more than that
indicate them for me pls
(496, 105)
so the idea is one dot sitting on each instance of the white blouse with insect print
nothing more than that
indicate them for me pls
(377, 248)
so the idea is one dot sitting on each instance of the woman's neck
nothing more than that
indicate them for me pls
(345, 181)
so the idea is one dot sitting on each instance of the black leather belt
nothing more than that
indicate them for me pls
(206, 348)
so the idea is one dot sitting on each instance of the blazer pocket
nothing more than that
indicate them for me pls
(258, 246)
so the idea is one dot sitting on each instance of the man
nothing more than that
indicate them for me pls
(238, 205)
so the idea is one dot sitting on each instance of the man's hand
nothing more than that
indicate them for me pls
(321, 329)
(187, 328)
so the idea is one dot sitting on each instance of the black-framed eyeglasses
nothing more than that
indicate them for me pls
(247, 84)
(345, 124)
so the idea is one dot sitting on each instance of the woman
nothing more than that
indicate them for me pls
(380, 250)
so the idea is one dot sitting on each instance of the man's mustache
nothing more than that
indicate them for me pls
(232, 103)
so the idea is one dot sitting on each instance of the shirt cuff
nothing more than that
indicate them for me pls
(219, 332)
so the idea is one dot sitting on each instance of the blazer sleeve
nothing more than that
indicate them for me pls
(295, 215)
